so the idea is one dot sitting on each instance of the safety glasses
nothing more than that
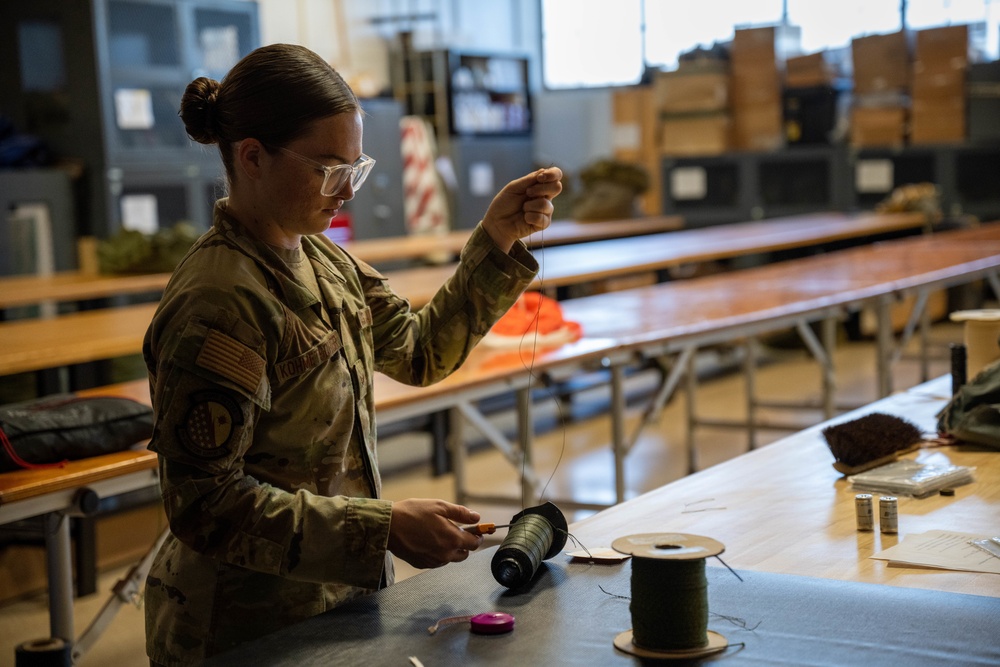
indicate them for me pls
(337, 176)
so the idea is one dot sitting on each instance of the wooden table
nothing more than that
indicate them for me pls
(587, 262)
(59, 494)
(560, 232)
(810, 524)
(669, 318)
(75, 286)
(75, 338)
(66, 286)
(809, 591)
(676, 319)
(102, 334)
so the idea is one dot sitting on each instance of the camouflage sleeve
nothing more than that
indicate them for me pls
(423, 346)
(209, 388)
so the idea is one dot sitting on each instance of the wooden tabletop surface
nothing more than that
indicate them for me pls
(783, 508)
(560, 232)
(680, 307)
(89, 335)
(638, 245)
(68, 286)
(584, 262)
(75, 286)
(685, 308)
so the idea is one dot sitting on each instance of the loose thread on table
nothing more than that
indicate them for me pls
(576, 542)
(730, 569)
(698, 502)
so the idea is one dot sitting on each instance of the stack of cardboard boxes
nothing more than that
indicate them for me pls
(633, 137)
(693, 106)
(756, 61)
(907, 88)
(710, 107)
(941, 58)
(900, 100)
(880, 110)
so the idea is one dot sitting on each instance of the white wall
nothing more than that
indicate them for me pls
(572, 127)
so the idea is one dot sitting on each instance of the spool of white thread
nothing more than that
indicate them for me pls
(982, 337)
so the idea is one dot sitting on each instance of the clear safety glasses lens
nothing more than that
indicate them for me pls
(337, 177)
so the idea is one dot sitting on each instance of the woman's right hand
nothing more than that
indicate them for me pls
(423, 532)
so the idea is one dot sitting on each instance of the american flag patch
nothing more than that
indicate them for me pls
(231, 359)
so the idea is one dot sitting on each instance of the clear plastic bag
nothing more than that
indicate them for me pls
(909, 478)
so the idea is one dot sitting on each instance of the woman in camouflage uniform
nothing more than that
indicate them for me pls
(261, 358)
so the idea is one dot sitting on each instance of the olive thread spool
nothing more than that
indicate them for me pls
(669, 604)
(536, 534)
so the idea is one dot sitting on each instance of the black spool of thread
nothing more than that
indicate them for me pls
(536, 534)
(959, 366)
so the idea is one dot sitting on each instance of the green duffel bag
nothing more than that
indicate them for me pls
(973, 413)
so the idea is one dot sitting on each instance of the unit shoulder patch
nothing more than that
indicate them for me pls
(211, 419)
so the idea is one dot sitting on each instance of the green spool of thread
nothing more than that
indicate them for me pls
(669, 604)
(536, 534)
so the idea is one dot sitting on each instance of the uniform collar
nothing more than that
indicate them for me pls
(295, 295)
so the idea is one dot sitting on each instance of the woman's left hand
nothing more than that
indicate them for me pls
(523, 207)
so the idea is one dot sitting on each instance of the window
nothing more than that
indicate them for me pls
(591, 43)
(674, 27)
(584, 44)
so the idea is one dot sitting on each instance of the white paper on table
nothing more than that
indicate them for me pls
(943, 549)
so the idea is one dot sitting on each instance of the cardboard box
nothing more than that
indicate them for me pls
(939, 85)
(755, 89)
(695, 134)
(937, 121)
(881, 63)
(758, 127)
(808, 71)
(878, 126)
(765, 46)
(691, 91)
(941, 49)
(634, 137)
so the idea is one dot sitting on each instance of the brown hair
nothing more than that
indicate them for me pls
(272, 95)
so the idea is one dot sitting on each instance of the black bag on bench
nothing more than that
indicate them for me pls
(49, 431)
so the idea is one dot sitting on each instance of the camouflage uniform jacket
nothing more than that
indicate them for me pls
(265, 426)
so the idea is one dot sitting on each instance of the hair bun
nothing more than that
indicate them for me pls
(198, 110)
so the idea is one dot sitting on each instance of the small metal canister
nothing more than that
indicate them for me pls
(887, 514)
(863, 509)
